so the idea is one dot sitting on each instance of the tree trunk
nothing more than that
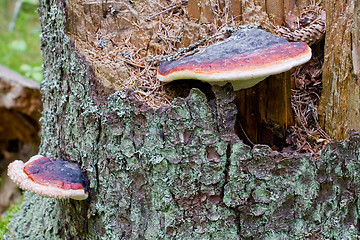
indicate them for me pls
(174, 172)
(340, 100)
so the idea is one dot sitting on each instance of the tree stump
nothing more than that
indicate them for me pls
(177, 171)
(265, 109)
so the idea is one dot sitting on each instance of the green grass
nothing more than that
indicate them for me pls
(20, 49)
(5, 219)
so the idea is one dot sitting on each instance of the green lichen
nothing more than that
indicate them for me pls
(178, 172)
(296, 196)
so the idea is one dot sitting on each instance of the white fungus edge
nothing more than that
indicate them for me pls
(17, 174)
(239, 79)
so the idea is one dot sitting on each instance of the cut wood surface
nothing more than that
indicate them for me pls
(177, 171)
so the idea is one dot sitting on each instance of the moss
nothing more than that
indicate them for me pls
(281, 189)
(177, 172)
(6, 218)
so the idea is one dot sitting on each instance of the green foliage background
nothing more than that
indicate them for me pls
(20, 49)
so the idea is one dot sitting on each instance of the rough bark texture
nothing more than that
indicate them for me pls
(340, 100)
(176, 172)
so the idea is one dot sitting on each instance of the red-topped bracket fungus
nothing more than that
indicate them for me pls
(244, 59)
(49, 177)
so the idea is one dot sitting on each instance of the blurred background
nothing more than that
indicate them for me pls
(20, 37)
(20, 98)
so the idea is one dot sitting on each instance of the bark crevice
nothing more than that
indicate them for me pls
(194, 188)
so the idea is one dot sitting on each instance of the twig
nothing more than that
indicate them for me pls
(167, 9)
(244, 132)
(136, 65)
(15, 15)
(182, 51)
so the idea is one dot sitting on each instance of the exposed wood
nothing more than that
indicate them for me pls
(19, 93)
(201, 9)
(261, 3)
(340, 101)
(355, 53)
(295, 6)
(20, 108)
(235, 9)
(265, 110)
(175, 172)
(275, 10)
(194, 9)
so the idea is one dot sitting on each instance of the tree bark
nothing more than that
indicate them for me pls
(340, 100)
(175, 172)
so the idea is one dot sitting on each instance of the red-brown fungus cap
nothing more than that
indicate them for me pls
(244, 59)
(49, 177)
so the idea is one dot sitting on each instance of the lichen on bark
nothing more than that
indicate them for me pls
(176, 172)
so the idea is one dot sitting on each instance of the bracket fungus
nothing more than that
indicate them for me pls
(244, 59)
(49, 177)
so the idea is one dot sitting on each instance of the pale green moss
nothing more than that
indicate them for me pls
(6, 218)
(173, 173)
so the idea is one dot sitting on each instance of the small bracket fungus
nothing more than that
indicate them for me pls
(244, 59)
(49, 177)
